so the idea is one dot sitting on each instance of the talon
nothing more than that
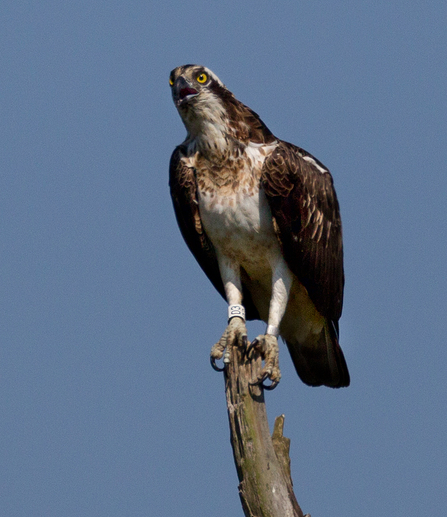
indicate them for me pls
(263, 377)
(269, 387)
(214, 365)
(235, 335)
(252, 346)
(245, 347)
(268, 348)
(259, 381)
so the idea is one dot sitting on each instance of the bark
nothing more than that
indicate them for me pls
(262, 461)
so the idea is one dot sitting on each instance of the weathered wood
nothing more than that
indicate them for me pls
(281, 444)
(262, 461)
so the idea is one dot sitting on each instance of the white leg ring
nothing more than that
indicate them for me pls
(236, 310)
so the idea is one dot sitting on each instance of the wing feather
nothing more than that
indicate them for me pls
(183, 188)
(307, 221)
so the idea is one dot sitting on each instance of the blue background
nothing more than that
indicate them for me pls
(108, 405)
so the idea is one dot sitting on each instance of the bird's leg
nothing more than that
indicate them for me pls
(267, 343)
(235, 335)
(236, 332)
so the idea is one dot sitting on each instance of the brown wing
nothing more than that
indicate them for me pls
(307, 221)
(183, 186)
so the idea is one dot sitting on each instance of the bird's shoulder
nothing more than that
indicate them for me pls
(289, 166)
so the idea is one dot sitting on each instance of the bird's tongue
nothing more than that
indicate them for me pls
(184, 92)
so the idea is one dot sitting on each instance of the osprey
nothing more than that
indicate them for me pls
(262, 219)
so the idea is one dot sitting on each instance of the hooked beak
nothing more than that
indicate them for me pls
(182, 92)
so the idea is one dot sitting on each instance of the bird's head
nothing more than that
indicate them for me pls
(210, 112)
(192, 85)
(199, 97)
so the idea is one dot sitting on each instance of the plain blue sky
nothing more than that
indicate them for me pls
(108, 405)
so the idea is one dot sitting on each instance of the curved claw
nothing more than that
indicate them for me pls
(269, 387)
(260, 380)
(214, 365)
(251, 346)
(245, 347)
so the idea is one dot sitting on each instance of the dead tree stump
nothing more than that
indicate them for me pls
(262, 461)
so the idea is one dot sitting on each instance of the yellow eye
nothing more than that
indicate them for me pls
(171, 81)
(202, 78)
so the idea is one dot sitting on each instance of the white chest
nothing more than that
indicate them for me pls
(240, 226)
(234, 210)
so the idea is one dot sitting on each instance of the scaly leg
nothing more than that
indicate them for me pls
(235, 335)
(267, 344)
(236, 332)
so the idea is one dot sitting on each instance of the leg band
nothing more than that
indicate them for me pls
(236, 310)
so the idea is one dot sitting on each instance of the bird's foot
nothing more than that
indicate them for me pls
(267, 345)
(235, 335)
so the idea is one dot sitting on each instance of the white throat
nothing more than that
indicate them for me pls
(207, 124)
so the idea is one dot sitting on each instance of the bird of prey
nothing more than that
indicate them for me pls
(262, 219)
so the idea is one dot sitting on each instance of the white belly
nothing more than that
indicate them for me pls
(240, 228)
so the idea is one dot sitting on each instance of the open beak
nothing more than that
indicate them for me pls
(182, 92)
